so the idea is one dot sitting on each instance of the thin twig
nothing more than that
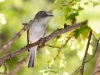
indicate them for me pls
(52, 46)
(76, 71)
(96, 72)
(14, 38)
(94, 51)
(2, 73)
(5, 68)
(61, 48)
(85, 55)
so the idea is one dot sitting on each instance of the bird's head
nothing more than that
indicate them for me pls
(43, 14)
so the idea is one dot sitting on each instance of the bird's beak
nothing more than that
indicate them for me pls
(50, 13)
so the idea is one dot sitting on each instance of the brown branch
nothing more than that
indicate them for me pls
(61, 48)
(96, 72)
(19, 66)
(15, 37)
(51, 46)
(2, 73)
(78, 69)
(41, 41)
(97, 67)
(94, 51)
(5, 68)
(87, 47)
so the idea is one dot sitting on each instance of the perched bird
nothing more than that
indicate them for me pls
(36, 31)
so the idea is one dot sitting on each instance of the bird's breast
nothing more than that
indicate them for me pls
(36, 31)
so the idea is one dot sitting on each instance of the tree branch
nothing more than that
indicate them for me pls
(41, 41)
(78, 69)
(96, 72)
(15, 37)
(61, 48)
(83, 63)
(5, 68)
(94, 51)
(19, 65)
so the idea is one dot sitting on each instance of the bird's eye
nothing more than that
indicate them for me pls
(44, 13)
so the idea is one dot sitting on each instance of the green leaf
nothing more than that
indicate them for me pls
(81, 31)
(92, 14)
(97, 36)
(76, 33)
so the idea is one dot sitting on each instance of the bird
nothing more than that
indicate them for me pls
(36, 30)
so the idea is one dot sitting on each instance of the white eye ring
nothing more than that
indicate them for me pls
(44, 13)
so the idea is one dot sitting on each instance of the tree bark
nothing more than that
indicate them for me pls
(97, 65)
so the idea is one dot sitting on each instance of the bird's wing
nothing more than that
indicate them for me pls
(28, 33)
(28, 37)
(45, 31)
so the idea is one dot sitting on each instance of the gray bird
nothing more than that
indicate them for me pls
(36, 31)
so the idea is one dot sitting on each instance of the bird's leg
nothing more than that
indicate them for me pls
(42, 40)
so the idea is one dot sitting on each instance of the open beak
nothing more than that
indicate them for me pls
(50, 13)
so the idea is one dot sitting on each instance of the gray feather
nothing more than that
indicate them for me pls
(32, 57)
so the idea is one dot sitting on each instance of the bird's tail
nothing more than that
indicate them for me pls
(32, 57)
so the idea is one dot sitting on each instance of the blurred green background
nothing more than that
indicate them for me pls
(15, 12)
